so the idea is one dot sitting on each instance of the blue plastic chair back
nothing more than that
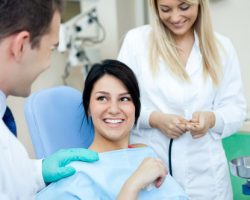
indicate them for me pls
(56, 120)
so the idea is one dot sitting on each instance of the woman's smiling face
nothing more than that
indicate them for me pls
(178, 16)
(112, 110)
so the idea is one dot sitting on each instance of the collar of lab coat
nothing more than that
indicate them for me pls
(196, 39)
(2, 104)
(194, 62)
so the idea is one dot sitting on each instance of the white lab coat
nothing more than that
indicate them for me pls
(20, 176)
(199, 165)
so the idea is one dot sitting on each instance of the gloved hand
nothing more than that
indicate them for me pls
(54, 167)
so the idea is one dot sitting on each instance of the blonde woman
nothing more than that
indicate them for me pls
(191, 90)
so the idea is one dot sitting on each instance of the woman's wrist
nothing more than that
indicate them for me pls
(154, 119)
(129, 190)
(212, 119)
(133, 185)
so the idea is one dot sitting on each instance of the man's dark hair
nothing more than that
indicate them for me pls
(34, 16)
(120, 71)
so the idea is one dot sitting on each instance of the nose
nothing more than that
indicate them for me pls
(114, 108)
(175, 17)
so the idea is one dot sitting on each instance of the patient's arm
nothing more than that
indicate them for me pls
(151, 170)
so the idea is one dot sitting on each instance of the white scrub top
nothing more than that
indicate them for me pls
(20, 176)
(199, 165)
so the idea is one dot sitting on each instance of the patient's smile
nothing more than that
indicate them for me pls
(113, 121)
(112, 109)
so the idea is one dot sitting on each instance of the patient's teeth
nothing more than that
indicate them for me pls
(113, 121)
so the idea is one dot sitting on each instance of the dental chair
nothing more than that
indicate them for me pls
(56, 120)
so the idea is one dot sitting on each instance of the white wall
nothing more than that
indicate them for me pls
(117, 16)
(231, 18)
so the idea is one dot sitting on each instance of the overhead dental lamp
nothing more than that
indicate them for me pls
(73, 39)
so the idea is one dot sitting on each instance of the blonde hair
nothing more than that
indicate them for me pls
(162, 44)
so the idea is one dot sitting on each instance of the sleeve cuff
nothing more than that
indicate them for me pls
(144, 118)
(39, 176)
(218, 128)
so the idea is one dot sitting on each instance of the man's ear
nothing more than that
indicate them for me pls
(20, 41)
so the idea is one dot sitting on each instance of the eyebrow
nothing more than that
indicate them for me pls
(166, 6)
(183, 3)
(103, 92)
(125, 93)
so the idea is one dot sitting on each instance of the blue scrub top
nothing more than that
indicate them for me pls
(103, 180)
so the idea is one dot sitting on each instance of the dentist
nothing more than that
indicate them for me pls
(28, 34)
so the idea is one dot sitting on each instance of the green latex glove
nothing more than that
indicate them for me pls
(54, 167)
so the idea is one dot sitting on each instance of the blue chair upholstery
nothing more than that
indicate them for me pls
(56, 120)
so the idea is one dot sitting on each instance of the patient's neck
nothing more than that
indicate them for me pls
(102, 145)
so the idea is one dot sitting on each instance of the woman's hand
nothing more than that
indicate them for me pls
(171, 125)
(200, 123)
(151, 170)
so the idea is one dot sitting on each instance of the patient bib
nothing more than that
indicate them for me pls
(103, 180)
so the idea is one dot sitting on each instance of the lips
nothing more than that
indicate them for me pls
(178, 25)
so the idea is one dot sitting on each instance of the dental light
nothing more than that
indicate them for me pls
(73, 39)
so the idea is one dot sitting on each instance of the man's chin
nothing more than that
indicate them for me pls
(24, 93)
(27, 93)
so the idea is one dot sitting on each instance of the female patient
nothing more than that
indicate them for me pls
(112, 100)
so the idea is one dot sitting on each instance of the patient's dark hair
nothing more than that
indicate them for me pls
(120, 71)
(34, 16)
